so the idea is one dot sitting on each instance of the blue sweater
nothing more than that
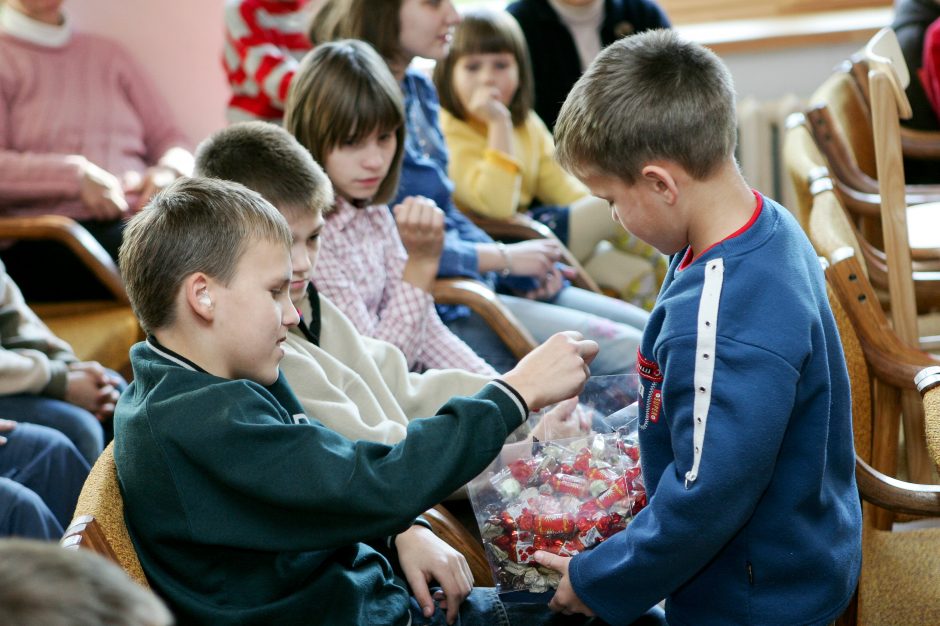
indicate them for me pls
(768, 528)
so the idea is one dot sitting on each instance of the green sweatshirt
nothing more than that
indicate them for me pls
(243, 511)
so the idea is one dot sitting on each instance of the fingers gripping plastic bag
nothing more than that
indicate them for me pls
(568, 480)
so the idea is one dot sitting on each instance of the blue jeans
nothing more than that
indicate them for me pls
(80, 426)
(615, 325)
(484, 608)
(48, 468)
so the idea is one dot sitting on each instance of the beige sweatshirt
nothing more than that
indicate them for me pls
(361, 387)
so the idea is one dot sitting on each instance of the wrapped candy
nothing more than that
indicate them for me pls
(562, 496)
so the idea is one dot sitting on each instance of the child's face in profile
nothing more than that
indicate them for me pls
(639, 209)
(357, 169)
(253, 313)
(486, 75)
(425, 27)
(305, 227)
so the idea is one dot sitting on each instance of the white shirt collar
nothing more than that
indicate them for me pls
(26, 28)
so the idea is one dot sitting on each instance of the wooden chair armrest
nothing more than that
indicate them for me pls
(85, 532)
(448, 528)
(73, 235)
(890, 359)
(920, 144)
(896, 495)
(487, 305)
(521, 227)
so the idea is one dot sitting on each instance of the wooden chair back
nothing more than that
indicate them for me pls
(899, 570)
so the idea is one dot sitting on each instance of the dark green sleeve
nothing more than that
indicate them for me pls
(305, 487)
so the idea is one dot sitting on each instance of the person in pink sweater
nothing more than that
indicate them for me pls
(83, 133)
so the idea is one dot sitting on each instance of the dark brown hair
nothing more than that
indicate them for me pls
(343, 91)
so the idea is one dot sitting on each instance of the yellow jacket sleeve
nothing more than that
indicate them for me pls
(486, 181)
(553, 185)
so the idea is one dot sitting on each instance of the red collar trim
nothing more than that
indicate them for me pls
(690, 257)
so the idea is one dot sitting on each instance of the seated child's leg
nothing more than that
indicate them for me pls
(477, 334)
(81, 427)
(45, 461)
(603, 306)
(618, 342)
(589, 223)
(24, 514)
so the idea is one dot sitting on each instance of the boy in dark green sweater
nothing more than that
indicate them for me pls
(241, 508)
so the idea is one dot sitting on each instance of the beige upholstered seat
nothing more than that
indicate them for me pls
(98, 524)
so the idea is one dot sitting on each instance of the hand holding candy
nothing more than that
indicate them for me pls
(565, 599)
(554, 371)
(425, 557)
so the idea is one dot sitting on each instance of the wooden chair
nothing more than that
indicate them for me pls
(900, 570)
(98, 525)
(521, 227)
(806, 164)
(101, 330)
(840, 119)
(482, 301)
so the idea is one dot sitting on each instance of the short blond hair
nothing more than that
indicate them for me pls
(194, 225)
(647, 97)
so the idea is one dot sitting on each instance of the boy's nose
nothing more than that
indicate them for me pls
(290, 317)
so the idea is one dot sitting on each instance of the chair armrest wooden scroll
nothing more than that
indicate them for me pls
(521, 227)
(896, 495)
(890, 359)
(486, 304)
(73, 235)
(448, 528)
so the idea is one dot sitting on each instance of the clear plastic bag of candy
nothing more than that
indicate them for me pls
(568, 480)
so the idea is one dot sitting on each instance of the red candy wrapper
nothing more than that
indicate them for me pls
(562, 496)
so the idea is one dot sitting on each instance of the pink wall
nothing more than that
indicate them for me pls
(179, 43)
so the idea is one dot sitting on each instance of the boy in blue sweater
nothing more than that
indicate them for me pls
(242, 509)
(745, 417)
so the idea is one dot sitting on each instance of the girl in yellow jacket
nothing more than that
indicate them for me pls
(502, 157)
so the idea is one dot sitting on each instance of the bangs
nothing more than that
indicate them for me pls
(478, 35)
(361, 109)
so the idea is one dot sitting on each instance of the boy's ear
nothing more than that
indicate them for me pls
(661, 182)
(198, 296)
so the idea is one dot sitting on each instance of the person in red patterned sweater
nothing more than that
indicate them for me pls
(264, 40)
